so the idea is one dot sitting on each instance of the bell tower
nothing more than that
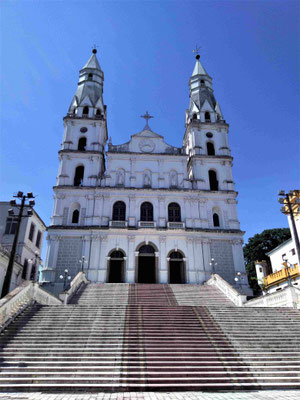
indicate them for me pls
(85, 131)
(206, 136)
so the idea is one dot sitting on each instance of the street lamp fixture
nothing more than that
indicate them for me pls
(29, 212)
(213, 264)
(82, 261)
(239, 278)
(66, 277)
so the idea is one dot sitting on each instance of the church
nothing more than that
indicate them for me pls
(144, 211)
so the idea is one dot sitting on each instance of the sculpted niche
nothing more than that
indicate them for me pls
(173, 179)
(147, 181)
(120, 177)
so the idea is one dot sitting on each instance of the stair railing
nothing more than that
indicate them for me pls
(287, 297)
(20, 298)
(230, 292)
(76, 283)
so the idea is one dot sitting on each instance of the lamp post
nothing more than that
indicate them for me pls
(66, 277)
(22, 207)
(82, 261)
(239, 279)
(213, 264)
(288, 210)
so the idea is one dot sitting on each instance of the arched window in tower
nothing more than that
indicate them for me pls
(90, 77)
(85, 112)
(213, 183)
(75, 217)
(202, 83)
(216, 219)
(194, 116)
(207, 116)
(174, 213)
(82, 143)
(146, 211)
(210, 149)
(98, 113)
(78, 178)
(119, 211)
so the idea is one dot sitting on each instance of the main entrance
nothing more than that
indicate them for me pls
(176, 268)
(116, 267)
(146, 265)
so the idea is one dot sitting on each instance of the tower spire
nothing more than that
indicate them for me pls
(203, 105)
(88, 99)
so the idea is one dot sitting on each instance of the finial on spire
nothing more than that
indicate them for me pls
(94, 49)
(196, 50)
(147, 116)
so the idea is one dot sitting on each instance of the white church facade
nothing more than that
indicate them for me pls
(144, 211)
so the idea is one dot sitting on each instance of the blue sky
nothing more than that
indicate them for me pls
(145, 50)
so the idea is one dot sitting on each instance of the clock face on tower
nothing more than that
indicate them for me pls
(147, 146)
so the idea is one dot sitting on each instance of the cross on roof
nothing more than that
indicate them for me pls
(147, 116)
(196, 50)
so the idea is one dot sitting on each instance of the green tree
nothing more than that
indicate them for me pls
(257, 247)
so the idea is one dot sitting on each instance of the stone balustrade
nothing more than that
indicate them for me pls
(19, 298)
(232, 294)
(79, 279)
(287, 297)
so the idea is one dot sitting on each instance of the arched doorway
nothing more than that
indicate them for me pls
(146, 271)
(116, 273)
(176, 268)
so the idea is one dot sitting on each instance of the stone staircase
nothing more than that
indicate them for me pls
(142, 337)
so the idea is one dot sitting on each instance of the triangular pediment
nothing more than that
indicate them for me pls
(206, 106)
(99, 104)
(194, 108)
(147, 133)
(86, 102)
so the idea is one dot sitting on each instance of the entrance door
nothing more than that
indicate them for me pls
(176, 268)
(116, 267)
(146, 265)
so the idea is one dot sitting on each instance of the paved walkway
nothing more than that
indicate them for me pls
(254, 395)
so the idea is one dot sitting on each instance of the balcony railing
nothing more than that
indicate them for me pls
(282, 275)
(176, 225)
(147, 224)
(118, 224)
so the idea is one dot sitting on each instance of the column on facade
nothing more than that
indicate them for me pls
(161, 212)
(132, 211)
(203, 213)
(157, 266)
(98, 209)
(163, 264)
(106, 212)
(102, 263)
(94, 257)
(57, 217)
(86, 244)
(89, 208)
(206, 258)
(49, 272)
(199, 261)
(238, 255)
(187, 206)
(52, 251)
(130, 264)
(195, 213)
(190, 266)
(233, 217)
